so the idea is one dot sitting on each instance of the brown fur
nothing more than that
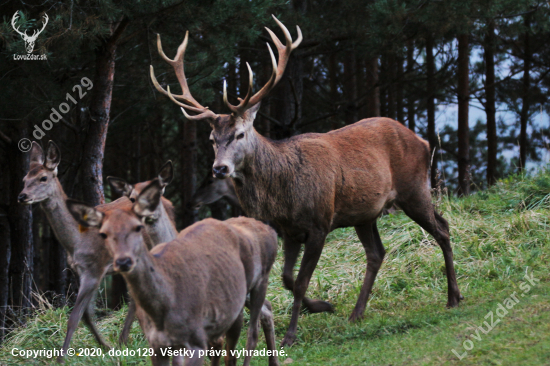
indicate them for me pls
(86, 252)
(191, 291)
(314, 183)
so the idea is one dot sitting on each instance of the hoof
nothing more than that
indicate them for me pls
(453, 303)
(318, 306)
(354, 317)
(288, 340)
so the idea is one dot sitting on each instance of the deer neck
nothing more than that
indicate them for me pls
(147, 284)
(267, 177)
(159, 226)
(62, 222)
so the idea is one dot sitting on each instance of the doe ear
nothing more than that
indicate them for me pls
(37, 154)
(166, 174)
(84, 214)
(120, 186)
(53, 156)
(250, 114)
(149, 199)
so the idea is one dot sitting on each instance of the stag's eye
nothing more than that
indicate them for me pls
(43, 179)
(103, 235)
(240, 136)
(132, 200)
(138, 228)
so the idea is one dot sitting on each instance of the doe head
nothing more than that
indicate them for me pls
(123, 188)
(121, 230)
(40, 183)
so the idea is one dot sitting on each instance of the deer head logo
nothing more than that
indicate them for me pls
(29, 40)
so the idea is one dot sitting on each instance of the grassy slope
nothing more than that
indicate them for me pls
(497, 236)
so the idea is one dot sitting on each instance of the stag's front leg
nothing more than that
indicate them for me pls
(312, 253)
(291, 251)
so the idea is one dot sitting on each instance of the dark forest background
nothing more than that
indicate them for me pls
(403, 59)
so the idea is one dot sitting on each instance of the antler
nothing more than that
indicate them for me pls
(13, 20)
(189, 102)
(36, 33)
(278, 70)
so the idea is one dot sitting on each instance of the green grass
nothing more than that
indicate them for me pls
(497, 236)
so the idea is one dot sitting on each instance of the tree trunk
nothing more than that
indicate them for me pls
(350, 87)
(333, 82)
(389, 72)
(100, 107)
(5, 251)
(490, 105)
(189, 170)
(20, 220)
(524, 116)
(410, 98)
(463, 105)
(399, 84)
(430, 92)
(373, 91)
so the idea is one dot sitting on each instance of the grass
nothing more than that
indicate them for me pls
(497, 235)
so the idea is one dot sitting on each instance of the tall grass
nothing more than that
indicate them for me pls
(497, 235)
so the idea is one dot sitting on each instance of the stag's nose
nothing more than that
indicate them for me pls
(220, 171)
(124, 264)
(22, 197)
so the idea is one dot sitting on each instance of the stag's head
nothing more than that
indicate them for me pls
(121, 229)
(29, 40)
(40, 182)
(232, 134)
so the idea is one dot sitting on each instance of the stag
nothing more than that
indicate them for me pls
(86, 252)
(313, 183)
(191, 291)
(29, 40)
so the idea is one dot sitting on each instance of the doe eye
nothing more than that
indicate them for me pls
(43, 179)
(138, 228)
(240, 136)
(132, 200)
(212, 142)
(103, 235)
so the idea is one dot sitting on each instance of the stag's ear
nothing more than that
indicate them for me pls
(37, 154)
(166, 174)
(120, 186)
(149, 199)
(250, 114)
(53, 156)
(84, 214)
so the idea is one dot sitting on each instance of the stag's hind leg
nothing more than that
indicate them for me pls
(368, 234)
(421, 210)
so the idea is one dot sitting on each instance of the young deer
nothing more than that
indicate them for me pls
(313, 183)
(191, 291)
(86, 253)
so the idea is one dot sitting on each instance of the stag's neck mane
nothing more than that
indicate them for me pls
(268, 178)
(62, 222)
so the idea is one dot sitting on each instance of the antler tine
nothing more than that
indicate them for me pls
(241, 107)
(278, 70)
(13, 20)
(203, 112)
(177, 65)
